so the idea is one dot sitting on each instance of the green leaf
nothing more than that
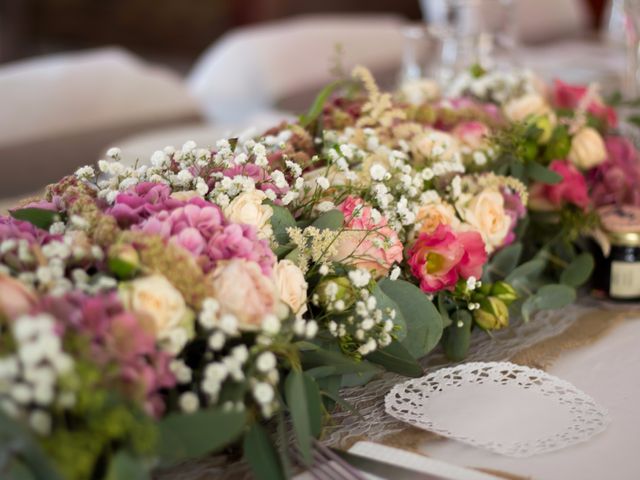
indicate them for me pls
(528, 269)
(423, 321)
(457, 337)
(318, 104)
(442, 308)
(542, 174)
(39, 217)
(578, 271)
(303, 399)
(261, 455)
(124, 466)
(549, 297)
(191, 435)
(344, 404)
(19, 471)
(396, 358)
(383, 302)
(280, 221)
(505, 260)
(332, 220)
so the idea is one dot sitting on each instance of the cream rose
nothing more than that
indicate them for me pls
(485, 213)
(419, 91)
(587, 149)
(529, 105)
(431, 215)
(435, 144)
(155, 297)
(185, 196)
(248, 208)
(244, 292)
(291, 286)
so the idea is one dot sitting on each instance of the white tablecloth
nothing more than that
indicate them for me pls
(608, 370)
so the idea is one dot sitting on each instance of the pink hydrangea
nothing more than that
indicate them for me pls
(142, 201)
(616, 180)
(202, 230)
(440, 258)
(571, 190)
(569, 96)
(367, 242)
(116, 338)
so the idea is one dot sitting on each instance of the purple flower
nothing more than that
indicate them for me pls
(516, 210)
(142, 201)
(616, 180)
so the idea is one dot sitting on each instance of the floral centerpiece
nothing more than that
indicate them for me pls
(159, 312)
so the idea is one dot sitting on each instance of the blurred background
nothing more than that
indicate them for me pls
(78, 76)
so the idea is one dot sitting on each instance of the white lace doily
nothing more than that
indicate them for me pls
(500, 406)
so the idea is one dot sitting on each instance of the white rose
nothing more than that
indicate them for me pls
(587, 149)
(529, 105)
(485, 213)
(291, 286)
(247, 208)
(155, 297)
(435, 144)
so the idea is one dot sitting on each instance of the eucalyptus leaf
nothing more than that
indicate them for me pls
(396, 358)
(384, 302)
(542, 174)
(578, 271)
(302, 395)
(505, 260)
(261, 455)
(520, 274)
(40, 217)
(332, 220)
(281, 220)
(190, 435)
(549, 297)
(124, 466)
(423, 321)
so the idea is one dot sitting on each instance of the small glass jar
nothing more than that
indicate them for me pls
(618, 268)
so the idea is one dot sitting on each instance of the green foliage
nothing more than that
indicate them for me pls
(124, 466)
(503, 262)
(191, 435)
(302, 395)
(39, 217)
(396, 358)
(422, 319)
(332, 220)
(542, 174)
(549, 297)
(261, 455)
(318, 104)
(281, 220)
(578, 271)
(457, 336)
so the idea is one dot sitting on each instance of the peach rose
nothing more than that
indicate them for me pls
(435, 144)
(291, 286)
(434, 214)
(15, 297)
(244, 292)
(247, 208)
(530, 105)
(485, 212)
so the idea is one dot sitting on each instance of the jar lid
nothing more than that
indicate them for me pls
(621, 224)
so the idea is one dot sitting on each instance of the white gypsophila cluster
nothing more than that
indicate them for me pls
(218, 175)
(29, 385)
(234, 365)
(369, 326)
(494, 86)
(45, 267)
(395, 186)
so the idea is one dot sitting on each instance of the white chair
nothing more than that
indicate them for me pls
(58, 112)
(248, 70)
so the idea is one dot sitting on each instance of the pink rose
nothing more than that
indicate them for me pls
(15, 298)
(244, 292)
(569, 96)
(572, 189)
(367, 242)
(439, 259)
(472, 133)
